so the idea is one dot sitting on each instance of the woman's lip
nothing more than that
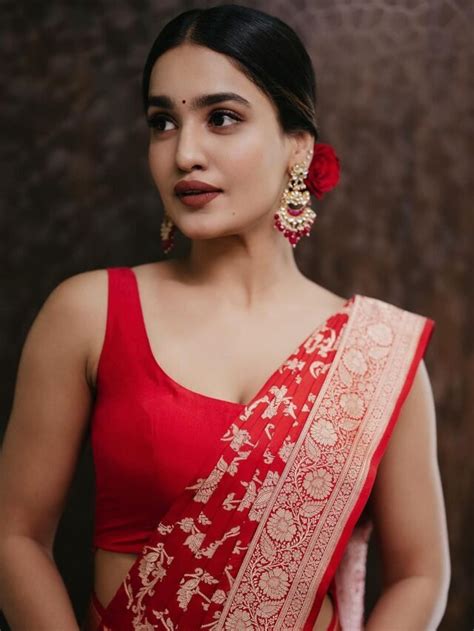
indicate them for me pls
(199, 200)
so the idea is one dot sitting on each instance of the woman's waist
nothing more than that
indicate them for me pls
(110, 569)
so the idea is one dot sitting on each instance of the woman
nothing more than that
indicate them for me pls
(240, 492)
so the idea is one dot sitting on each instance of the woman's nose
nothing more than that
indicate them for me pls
(189, 149)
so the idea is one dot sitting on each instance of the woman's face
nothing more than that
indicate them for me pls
(240, 150)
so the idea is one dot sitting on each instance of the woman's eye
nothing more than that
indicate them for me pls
(156, 120)
(224, 114)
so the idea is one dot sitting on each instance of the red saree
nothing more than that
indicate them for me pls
(260, 536)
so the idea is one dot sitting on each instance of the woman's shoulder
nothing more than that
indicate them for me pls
(390, 309)
(84, 296)
(385, 320)
(81, 300)
(86, 292)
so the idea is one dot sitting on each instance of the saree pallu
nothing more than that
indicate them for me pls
(263, 534)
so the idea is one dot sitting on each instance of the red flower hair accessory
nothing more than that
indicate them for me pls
(324, 170)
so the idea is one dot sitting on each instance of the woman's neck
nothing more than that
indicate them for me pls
(242, 273)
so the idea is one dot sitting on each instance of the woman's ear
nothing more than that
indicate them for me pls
(302, 144)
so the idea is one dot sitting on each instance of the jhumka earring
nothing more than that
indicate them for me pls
(167, 232)
(295, 217)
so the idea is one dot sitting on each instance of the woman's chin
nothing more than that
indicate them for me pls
(204, 228)
(202, 235)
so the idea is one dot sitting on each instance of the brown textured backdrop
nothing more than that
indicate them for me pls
(395, 100)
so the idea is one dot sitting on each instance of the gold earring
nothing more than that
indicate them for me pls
(295, 217)
(167, 231)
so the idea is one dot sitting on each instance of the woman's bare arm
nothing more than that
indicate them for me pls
(410, 521)
(49, 416)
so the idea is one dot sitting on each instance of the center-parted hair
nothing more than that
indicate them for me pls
(262, 46)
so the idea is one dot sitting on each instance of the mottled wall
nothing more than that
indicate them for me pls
(395, 87)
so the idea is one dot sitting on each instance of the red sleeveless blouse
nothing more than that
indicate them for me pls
(150, 435)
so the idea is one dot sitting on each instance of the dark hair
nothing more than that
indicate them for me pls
(265, 49)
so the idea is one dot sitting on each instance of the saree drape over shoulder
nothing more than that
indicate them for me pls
(257, 539)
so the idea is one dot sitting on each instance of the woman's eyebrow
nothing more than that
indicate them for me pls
(199, 102)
